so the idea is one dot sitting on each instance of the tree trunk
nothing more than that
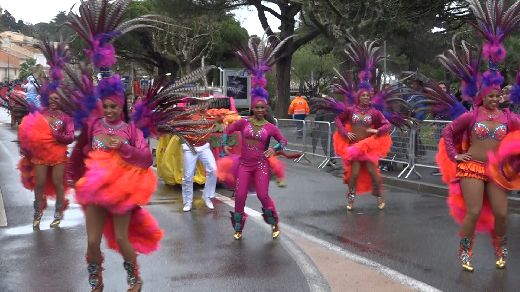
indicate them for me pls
(283, 90)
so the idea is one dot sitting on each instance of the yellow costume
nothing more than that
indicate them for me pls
(170, 162)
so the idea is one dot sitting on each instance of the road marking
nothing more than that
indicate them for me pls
(3, 217)
(392, 274)
(315, 279)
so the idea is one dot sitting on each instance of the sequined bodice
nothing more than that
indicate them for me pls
(56, 125)
(359, 119)
(104, 128)
(482, 131)
(255, 140)
(98, 144)
(56, 118)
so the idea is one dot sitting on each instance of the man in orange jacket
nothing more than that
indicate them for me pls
(299, 109)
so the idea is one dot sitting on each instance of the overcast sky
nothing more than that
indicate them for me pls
(35, 11)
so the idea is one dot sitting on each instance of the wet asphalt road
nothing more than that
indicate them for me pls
(413, 235)
(198, 252)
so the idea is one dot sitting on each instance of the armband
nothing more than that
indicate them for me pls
(278, 146)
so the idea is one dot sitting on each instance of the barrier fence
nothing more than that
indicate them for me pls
(410, 149)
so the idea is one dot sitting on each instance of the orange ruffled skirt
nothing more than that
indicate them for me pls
(36, 138)
(370, 149)
(120, 187)
(451, 174)
(504, 163)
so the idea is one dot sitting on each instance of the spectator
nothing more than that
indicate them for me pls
(299, 109)
(505, 101)
(31, 94)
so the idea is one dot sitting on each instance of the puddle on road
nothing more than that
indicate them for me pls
(73, 217)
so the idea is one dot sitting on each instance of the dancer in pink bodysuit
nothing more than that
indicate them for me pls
(254, 166)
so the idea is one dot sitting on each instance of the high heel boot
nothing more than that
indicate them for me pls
(271, 218)
(466, 253)
(376, 192)
(351, 197)
(95, 277)
(500, 244)
(39, 206)
(58, 213)
(132, 277)
(238, 220)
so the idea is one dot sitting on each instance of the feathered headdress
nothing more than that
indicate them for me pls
(436, 100)
(81, 94)
(366, 56)
(259, 56)
(100, 22)
(347, 87)
(463, 62)
(494, 21)
(57, 56)
(160, 111)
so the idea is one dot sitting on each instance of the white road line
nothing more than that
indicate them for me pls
(3, 217)
(315, 279)
(392, 274)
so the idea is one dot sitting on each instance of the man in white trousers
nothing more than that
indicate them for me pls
(204, 154)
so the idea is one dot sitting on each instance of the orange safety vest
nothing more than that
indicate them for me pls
(299, 106)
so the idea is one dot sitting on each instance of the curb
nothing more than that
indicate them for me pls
(440, 190)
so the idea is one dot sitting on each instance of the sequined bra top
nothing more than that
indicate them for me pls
(358, 119)
(482, 131)
(56, 125)
(98, 144)
(107, 129)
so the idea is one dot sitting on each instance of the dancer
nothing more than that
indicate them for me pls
(111, 161)
(44, 136)
(361, 140)
(256, 132)
(362, 136)
(477, 202)
(253, 165)
(202, 153)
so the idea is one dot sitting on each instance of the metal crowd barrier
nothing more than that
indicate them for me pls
(413, 148)
(400, 150)
(426, 139)
(295, 131)
(320, 136)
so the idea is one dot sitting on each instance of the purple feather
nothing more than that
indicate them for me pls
(492, 78)
(112, 86)
(495, 52)
(259, 92)
(456, 110)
